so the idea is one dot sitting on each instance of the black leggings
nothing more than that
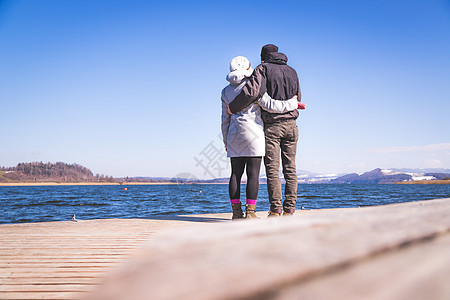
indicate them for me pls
(237, 169)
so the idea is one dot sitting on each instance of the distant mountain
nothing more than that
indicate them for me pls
(305, 177)
(374, 176)
(310, 177)
(439, 176)
(426, 170)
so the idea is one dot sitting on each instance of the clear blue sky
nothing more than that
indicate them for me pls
(132, 88)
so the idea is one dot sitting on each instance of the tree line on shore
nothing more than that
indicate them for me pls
(39, 171)
(62, 172)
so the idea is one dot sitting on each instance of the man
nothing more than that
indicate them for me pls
(280, 81)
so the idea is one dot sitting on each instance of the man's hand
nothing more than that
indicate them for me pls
(229, 111)
(301, 105)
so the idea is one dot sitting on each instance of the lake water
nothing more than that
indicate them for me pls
(59, 203)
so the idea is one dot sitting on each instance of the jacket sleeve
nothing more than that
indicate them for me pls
(277, 106)
(225, 120)
(253, 90)
(299, 91)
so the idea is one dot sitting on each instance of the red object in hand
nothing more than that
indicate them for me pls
(301, 105)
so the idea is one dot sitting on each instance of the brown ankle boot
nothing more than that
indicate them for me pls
(288, 212)
(237, 211)
(275, 213)
(250, 211)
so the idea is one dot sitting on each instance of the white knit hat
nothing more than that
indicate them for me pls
(241, 64)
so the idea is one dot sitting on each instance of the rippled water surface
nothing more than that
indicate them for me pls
(57, 203)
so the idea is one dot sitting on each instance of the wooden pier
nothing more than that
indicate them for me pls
(395, 251)
(64, 260)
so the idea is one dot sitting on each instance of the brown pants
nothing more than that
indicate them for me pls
(281, 136)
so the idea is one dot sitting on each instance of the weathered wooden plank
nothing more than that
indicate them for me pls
(46, 260)
(89, 248)
(60, 263)
(256, 259)
(70, 250)
(28, 288)
(37, 265)
(61, 256)
(418, 271)
(41, 295)
(58, 244)
(51, 272)
(53, 259)
(93, 280)
(38, 274)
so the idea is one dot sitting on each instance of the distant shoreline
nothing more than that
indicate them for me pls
(425, 182)
(82, 183)
(166, 183)
(99, 183)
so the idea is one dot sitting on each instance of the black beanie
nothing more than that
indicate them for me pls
(267, 49)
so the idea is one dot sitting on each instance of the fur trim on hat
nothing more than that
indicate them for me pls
(237, 76)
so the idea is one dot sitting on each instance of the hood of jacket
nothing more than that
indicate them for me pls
(277, 58)
(237, 76)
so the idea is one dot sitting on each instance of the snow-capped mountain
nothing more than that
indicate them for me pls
(374, 176)
(388, 176)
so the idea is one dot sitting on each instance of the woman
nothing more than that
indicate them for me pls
(243, 136)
